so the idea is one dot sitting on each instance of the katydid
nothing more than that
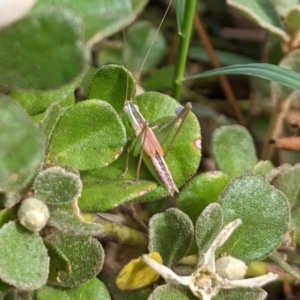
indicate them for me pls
(146, 143)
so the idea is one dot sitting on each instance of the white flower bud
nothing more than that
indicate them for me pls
(231, 268)
(33, 214)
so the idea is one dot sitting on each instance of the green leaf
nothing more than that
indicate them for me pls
(7, 215)
(66, 217)
(170, 234)
(283, 6)
(180, 6)
(170, 292)
(24, 262)
(139, 39)
(104, 85)
(94, 289)
(56, 185)
(265, 216)
(280, 91)
(52, 59)
(262, 13)
(58, 262)
(241, 293)
(263, 167)
(287, 181)
(50, 118)
(103, 18)
(233, 150)
(89, 135)
(207, 227)
(159, 80)
(4, 290)
(106, 188)
(200, 192)
(184, 156)
(22, 146)
(86, 256)
(101, 195)
(292, 18)
(224, 57)
(274, 73)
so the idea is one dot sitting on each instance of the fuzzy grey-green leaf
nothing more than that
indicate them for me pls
(24, 262)
(241, 293)
(88, 136)
(101, 18)
(170, 292)
(265, 215)
(56, 185)
(263, 167)
(94, 289)
(287, 181)
(262, 13)
(170, 234)
(103, 86)
(52, 60)
(66, 217)
(233, 150)
(200, 192)
(22, 146)
(86, 256)
(184, 156)
(208, 226)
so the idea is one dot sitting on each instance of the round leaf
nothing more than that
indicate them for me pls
(170, 234)
(136, 274)
(53, 56)
(86, 256)
(287, 181)
(66, 218)
(262, 13)
(102, 195)
(100, 18)
(24, 262)
(105, 188)
(265, 216)
(241, 293)
(170, 292)
(263, 167)
(88, 136)
(22, 146)
(139, 38)
(56, 185)
(200, 192)
(103, 86)
(208, 226)
(233, 150)
(292, 18)
(184, 156)
(93, 289)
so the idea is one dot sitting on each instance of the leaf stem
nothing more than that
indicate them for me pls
(184, 40)
(118, 233)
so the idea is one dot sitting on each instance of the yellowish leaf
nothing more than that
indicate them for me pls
(136, 274)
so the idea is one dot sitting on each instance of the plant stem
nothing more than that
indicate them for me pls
(118, 233)
(184, 40)
(284, 265)
(215, 63)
